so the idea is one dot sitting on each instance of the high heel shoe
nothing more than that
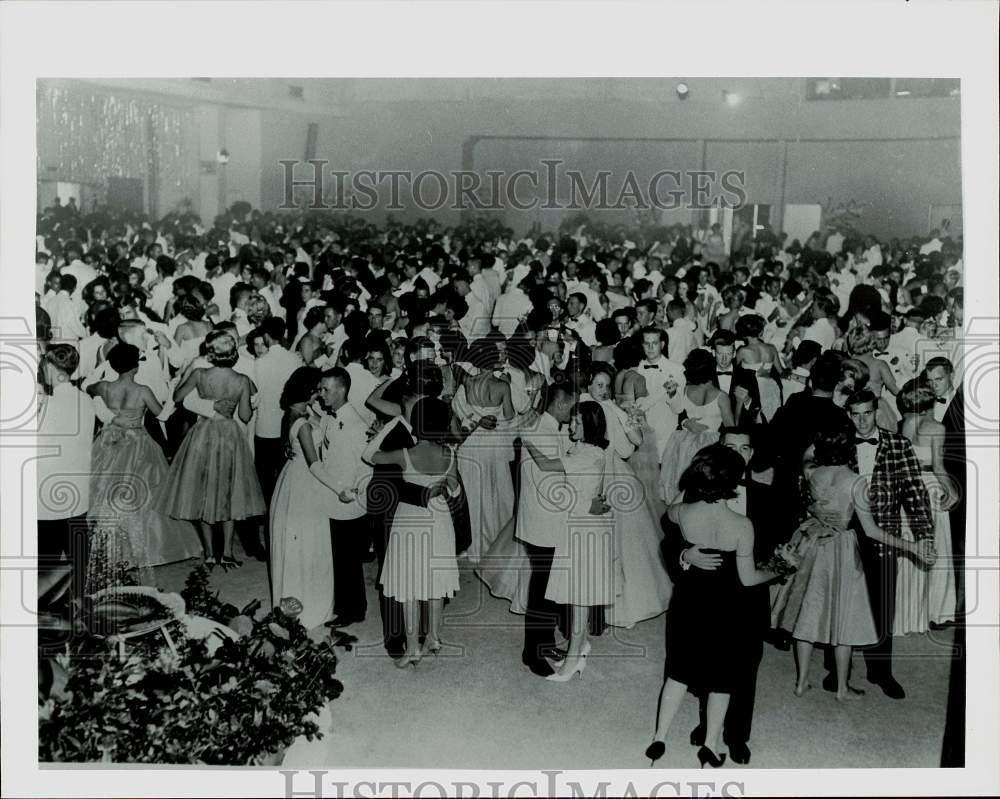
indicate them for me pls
(707, 757)
(431, 648)
(655, 751)
(407, 660)
(228, 562)
(568, 674)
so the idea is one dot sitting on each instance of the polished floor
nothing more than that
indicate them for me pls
(476, 707)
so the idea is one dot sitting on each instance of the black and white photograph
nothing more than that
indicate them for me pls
(595, 426)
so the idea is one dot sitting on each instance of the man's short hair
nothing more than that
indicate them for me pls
(940, 362)
(860, 398)
(339, 374)
(722, 338)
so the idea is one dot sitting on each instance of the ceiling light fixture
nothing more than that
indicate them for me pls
(731, 98)
(683, 91)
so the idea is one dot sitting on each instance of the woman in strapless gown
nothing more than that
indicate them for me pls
(925, 595)
(826, 601)
(760, 358)
(630, 390)
(212, 480)
(708, 621)
(641, 584)
(301, 557)
(484, 458)
(707, 409)
(128, 471)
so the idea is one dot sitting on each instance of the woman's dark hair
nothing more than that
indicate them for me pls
(628, 354)
(124, 358)
(607, 333)
(864, 300)
(713, 475)
(431, 420)
(253, 336)
(750, 325)
(601, 368)
(833, 448)
(915, 397)
(595, 426)
(424, 378)
(826, 371)
(105, 321)
(190, 308)
(699, 367)
(300, 386)
(313, 317)
(375, 343)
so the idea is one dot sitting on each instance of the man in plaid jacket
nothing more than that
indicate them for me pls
(889, 464)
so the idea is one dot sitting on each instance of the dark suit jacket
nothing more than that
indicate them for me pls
(954, 442)
(748, 380)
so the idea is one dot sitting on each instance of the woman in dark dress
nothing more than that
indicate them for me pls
(706, 623)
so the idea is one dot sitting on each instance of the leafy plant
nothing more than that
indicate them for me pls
(250, 697)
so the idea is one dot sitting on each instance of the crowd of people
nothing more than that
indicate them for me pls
(764, 440)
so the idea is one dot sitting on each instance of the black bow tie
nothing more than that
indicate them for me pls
(878, 353)
(872, 441)
(941, 400)
(729, 372)
(650, 366)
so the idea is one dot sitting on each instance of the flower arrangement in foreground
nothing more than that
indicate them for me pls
(238, 691)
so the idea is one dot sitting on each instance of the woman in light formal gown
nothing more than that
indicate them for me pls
(826, 601)
(630, 390)
(128, 471)
(707, 409)
(642, 588)
(925, 595)
(212, 479)
(485, 456)
(761, 359)
(301, 558)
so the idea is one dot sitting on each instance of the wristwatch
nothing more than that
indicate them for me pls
(684, 564)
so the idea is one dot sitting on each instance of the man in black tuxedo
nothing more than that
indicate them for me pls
(732, 379)
(796, 425)
(758, 502)
(949, 410)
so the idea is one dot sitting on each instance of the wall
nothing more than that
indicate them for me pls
(895, 157)
(895, 179)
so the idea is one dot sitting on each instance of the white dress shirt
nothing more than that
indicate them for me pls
(363, 383)
(345, 438)
(866, 455)
(585, 328)
(681, 340)
(941, 408)
(510, 309)
(65, 437)
(822, 332)
(539, 519)
(273, 369)
(84, 273)
(661, 417)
